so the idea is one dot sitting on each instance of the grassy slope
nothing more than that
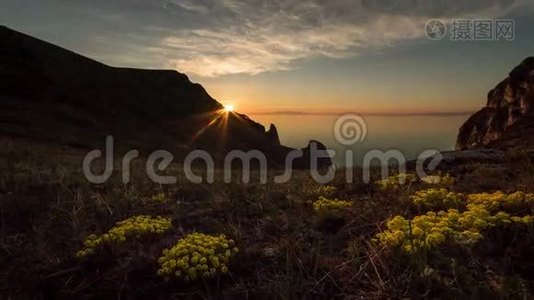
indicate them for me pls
(287, 250)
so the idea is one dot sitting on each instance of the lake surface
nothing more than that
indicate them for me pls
(409, 134)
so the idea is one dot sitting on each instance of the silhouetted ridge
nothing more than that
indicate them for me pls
(52, 94)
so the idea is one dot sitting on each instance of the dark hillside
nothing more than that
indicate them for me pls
(54, 95)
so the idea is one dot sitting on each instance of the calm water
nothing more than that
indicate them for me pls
(409, 134)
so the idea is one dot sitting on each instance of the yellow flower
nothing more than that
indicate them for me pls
(159, 197)
(325, 206)
(438, 198)
(443, 180)
(208, 256)
(466, 227)
(325, 191)
(134, 227)
(396, 182)
(417, 231)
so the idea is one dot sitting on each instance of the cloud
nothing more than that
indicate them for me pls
(256, 36)
(219, 37)
(266, 48)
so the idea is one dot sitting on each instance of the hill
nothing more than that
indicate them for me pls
(54, 95)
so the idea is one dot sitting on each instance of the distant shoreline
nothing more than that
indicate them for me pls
(363, 114)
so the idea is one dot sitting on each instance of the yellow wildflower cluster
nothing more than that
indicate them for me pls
(326, 206)
(438, 198)
(481, 212)
(325, 190)
(443, 180)
(197, 255)
(159, 197)
(500, 201)
(136, 227)
(396, 182)
(423, 231)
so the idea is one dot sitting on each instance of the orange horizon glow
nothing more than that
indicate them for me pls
(255, 101)
(318, 110)
(356, 111)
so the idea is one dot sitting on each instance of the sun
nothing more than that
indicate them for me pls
(229, 107)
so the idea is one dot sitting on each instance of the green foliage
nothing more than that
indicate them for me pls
(134, 227)
(197, 255)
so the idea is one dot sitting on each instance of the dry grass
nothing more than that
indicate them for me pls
(47, 208)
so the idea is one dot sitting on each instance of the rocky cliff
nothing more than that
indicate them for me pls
(508, 117)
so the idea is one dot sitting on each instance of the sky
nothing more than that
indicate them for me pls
(293, 56)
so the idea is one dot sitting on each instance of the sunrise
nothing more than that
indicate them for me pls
(241, 149)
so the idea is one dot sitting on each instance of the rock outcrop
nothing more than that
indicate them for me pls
(272, 134)
(308, 155)
(508, 118)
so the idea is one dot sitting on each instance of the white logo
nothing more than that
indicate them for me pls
(350, 129)
(435, 29)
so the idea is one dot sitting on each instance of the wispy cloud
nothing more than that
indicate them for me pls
(271, 47)
(218, 37)
(260, 36)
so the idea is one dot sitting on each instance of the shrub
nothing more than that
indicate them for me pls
(197, 255)
(134, 227)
